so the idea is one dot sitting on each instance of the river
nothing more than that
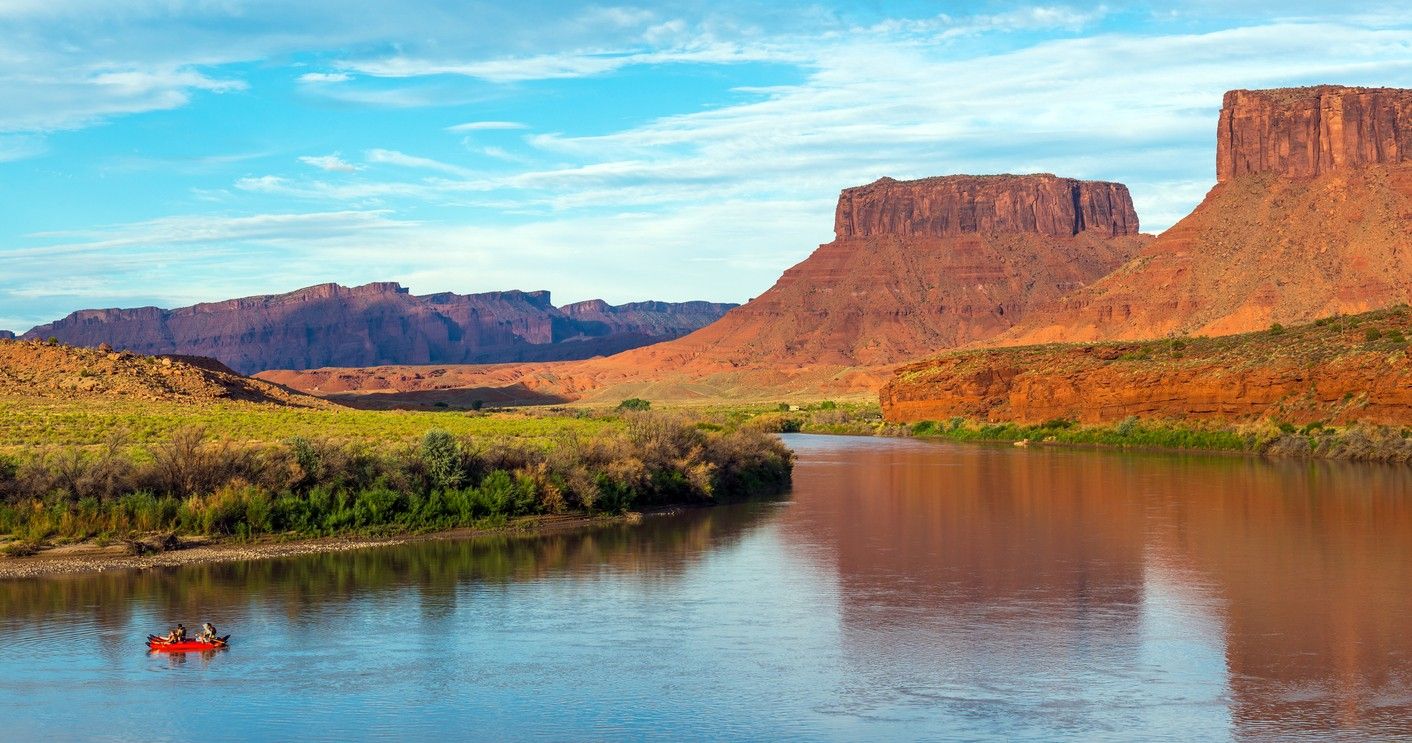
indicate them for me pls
(904, 590)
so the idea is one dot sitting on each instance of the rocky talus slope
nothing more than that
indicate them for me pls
(1311, 215)
(38, 369)
(1339, 370)
(382, 323)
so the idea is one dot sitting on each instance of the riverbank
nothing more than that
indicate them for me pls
(93, 557)
(1358, 442)
(497, 470)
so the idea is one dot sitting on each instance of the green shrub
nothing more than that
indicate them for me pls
(1372, 334)
(634, 403)
(441, 453)
(1057, 423)
(1126, 427)
(1276, 329)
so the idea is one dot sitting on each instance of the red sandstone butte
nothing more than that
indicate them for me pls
(916, 266)
(1311, 216)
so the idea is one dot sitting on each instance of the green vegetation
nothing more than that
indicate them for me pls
(30, 422)
(844, 418)
(189, 482)
(1359, 443)
(634, 403)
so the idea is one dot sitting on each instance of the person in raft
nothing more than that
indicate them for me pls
(177, 635)
(208, 633)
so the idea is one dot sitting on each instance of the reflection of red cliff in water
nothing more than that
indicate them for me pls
(1052, 565)
(980, 526)
(1314, 566)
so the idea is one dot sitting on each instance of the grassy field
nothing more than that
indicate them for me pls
(29, 423)
(72, 471)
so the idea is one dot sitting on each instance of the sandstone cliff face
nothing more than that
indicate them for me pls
(1308, 131)
(1312, 216)
(375, 324)
(953, 206)
(1329, 373)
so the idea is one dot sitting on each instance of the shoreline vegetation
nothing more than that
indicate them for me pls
(1357, 442)
(500, 472)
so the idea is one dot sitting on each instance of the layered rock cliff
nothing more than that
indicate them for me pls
(1304, 132)
(952, 206)
(381, 323)
(921, 265)
(1352, 369)
(1312, 215)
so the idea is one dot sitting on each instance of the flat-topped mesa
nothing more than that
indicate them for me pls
(1307, 131)
(954, 205)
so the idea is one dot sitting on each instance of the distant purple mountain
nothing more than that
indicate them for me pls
(382, 323)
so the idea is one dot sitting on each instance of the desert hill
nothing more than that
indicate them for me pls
(1311, 215)
(37, 369)
(382, 323)
(1335, 370)
(915, 266)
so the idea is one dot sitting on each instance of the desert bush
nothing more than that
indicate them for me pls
(443, 458)
(634, 404)
(1126, 426)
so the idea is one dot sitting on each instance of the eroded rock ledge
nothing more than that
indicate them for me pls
(956, 205)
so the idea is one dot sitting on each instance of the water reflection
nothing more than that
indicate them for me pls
(1072, 571)
(906, 590)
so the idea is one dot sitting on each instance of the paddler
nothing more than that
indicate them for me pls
(208, 633)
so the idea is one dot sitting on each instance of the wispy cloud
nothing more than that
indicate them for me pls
(21, 147)
(401, 159)
(325, 77)
(330, 163)
(574, 64)
(476, 126)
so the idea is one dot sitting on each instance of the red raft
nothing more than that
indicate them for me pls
(160, 645)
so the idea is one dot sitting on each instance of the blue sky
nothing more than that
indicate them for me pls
(166, 152)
